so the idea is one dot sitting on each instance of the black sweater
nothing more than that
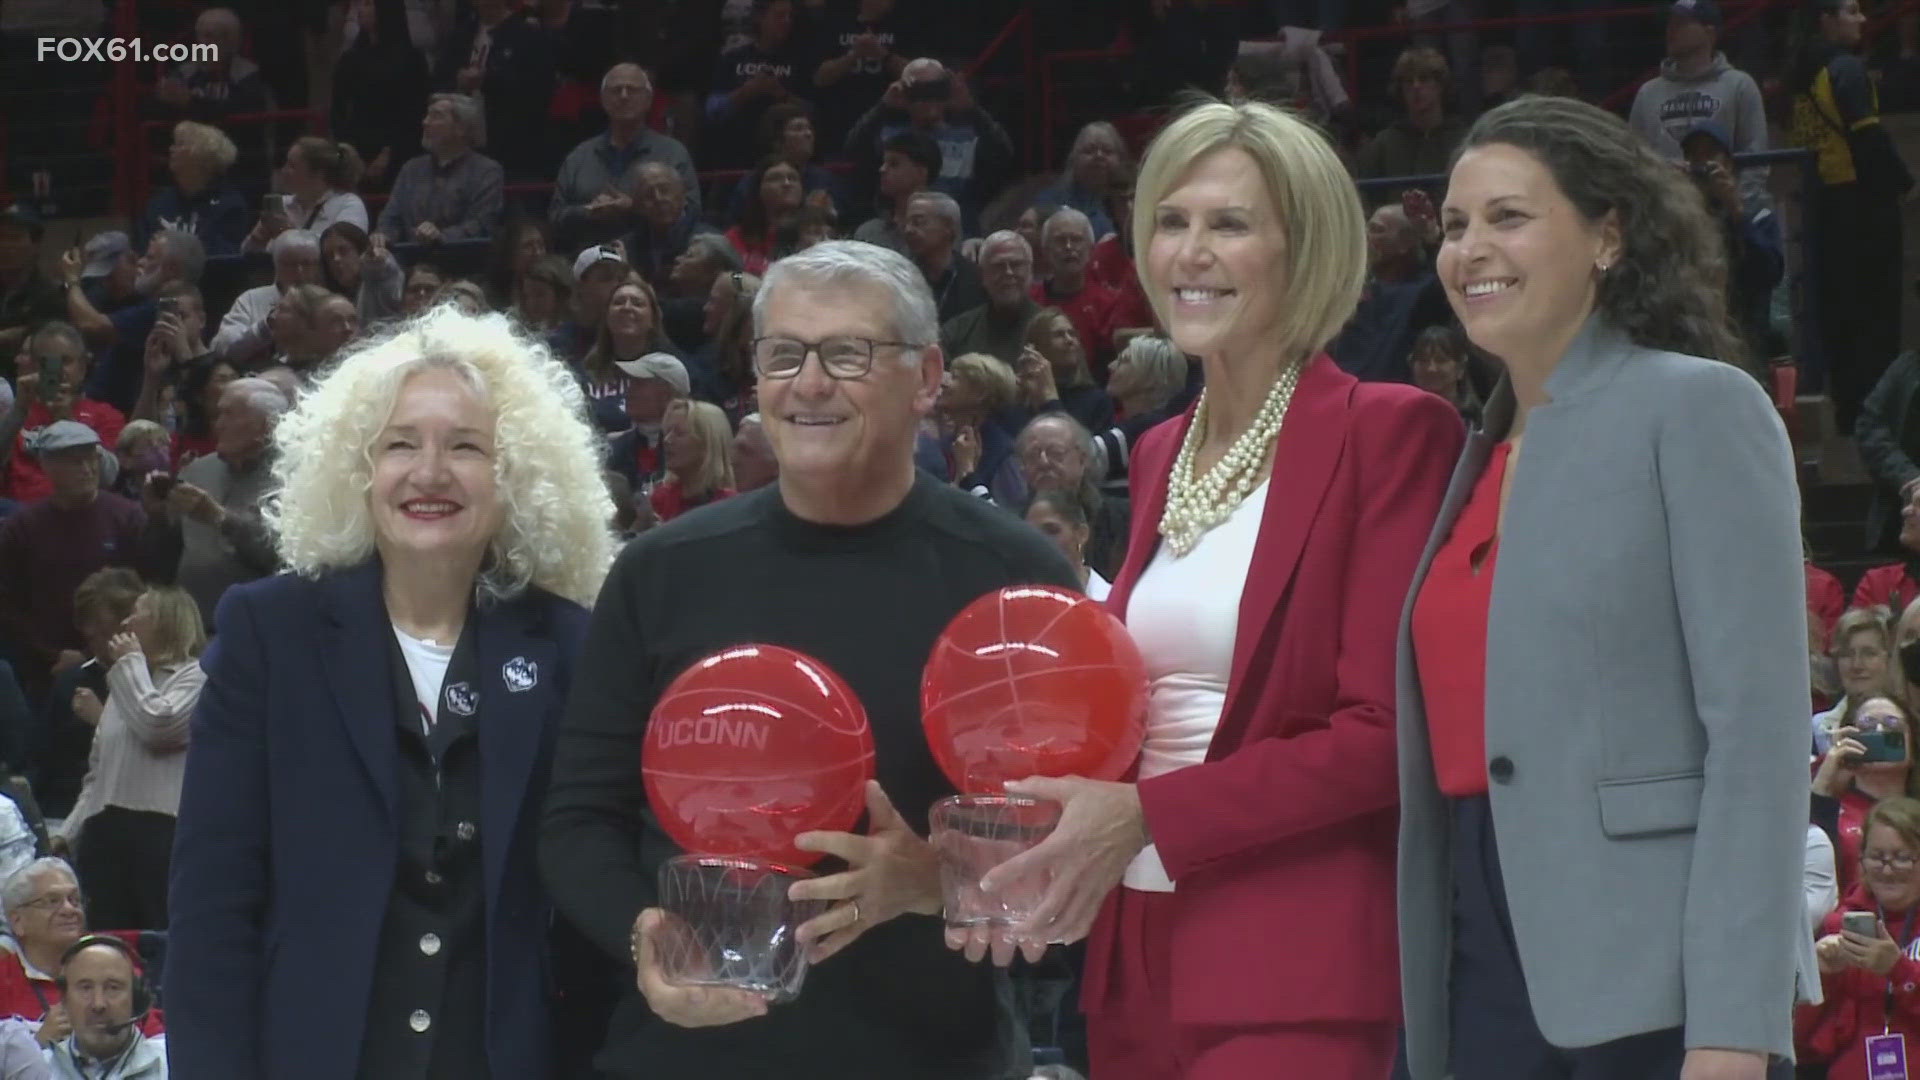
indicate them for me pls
(868, 602)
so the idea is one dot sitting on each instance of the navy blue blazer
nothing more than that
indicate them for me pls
(287, 844)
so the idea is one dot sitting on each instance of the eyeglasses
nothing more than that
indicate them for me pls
(1884, 861)
(842, 357)
(75, 899)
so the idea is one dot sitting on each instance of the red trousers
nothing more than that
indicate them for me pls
(1132, 1034)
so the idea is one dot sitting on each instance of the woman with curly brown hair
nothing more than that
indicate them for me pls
(1600, 860)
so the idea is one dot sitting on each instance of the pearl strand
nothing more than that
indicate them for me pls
(1196, 504)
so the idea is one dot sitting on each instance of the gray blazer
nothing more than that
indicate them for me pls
(1646, 676)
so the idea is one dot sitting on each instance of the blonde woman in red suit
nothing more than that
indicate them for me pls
(1239, 891)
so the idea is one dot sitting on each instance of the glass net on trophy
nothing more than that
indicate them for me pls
(1026, 681)
(746, 750)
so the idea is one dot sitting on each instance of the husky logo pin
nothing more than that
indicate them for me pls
(462, 699)
(520, 674)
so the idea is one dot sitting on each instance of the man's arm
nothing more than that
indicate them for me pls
(483, 204)
(96, 329)
(252, 542)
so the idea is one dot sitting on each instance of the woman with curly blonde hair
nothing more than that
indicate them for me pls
(355, 842)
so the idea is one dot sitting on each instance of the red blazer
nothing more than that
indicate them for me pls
(1281, 843)
(1887, 586)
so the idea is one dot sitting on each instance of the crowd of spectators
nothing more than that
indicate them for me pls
(138, 412)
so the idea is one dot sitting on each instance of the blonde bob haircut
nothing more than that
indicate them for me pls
(1312, 196)
(178, 632)
(546, 458)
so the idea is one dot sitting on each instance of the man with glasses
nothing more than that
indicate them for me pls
(1055, 453)
(999, 326)
(46, 914)
(857, 559)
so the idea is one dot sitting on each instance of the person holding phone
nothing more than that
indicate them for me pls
(1870, 760)
(1869, 952)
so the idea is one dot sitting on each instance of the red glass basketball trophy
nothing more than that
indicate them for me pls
(746, 750)
(1026, 681)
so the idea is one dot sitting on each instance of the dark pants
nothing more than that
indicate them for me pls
(1494, 1034)
(123, 868)
(1858, 247)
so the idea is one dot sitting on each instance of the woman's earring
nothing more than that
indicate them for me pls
(1602, 265)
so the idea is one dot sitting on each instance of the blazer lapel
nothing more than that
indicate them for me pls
(356, 660)
(1305, 455)
(519, 676)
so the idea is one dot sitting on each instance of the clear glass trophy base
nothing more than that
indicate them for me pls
(974, 834)
(729, 924)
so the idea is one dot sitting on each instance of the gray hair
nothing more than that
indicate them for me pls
(185, 251)
(1081, 436)
(854, 263)
(1162, 361)
(943, 205)
(644, 76)
(293, 241)
(61, 329)
(1005, 236)
(714, 248)
(19, 887)
(261, 395)
(1062, 217)
(466, 114)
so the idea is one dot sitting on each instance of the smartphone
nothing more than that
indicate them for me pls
(170, 305)
(1864, 923)
(161, 483)
(53, 373)
(273, 203)
(1882, 746)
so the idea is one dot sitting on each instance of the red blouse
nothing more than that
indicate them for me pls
(1450, 636)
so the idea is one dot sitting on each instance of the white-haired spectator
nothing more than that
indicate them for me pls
(1068, 237)
(442, 510)
(201, 200)
(1148, 373)
(999, 326)
(205, 529)
(229, 84)
(317, 179)
(591, 201)
(932, 232)
(1096, 166)
(451, 192)
(244, 335)
(754, 465)
(45, 914)
(119, 335)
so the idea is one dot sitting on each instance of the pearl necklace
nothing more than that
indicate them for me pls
(1195, 503)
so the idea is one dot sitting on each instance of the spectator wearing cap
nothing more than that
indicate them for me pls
(119, 336)
(630, 328)
(596, 272)
(976, 153)
(105, 267)
(1888, 434)
(1696, 83)
(665, 221)
(654, 382)
(28, 297)
(591, 201)
(778, 183)
(201, 200)
(787, 131)
(750, 79)
(909, 164)
(999, 326)
(451, 192)
(48, 548)
(50, 384)
(244, 336)
(499, 53)
(931, 230)
(1421, 142)
(1756, 255)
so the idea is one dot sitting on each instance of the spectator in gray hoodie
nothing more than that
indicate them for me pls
(1695, 84)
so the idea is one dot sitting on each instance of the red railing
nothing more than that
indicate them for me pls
(1020, 27)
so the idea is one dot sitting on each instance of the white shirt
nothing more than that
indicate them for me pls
(243, 336)
(1098, 588)
(427, 662)
(1185, 616)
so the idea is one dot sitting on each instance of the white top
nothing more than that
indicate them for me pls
(139, 756)
(1185, 616)
(242, 336)
(333, 206)
(427, 662)
(1098, 588)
